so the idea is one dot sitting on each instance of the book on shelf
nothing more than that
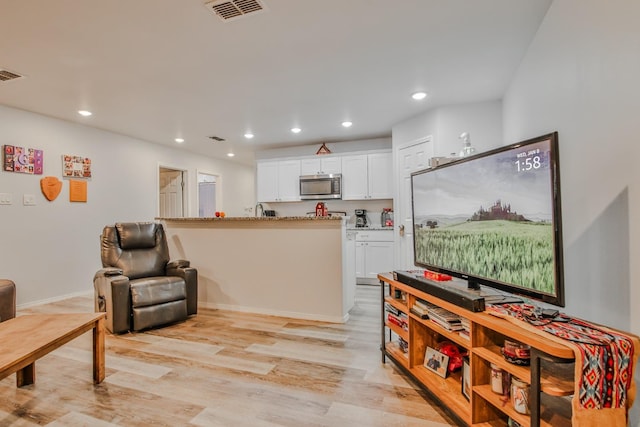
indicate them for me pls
(398, 321)
(391, 309)
(421, 314)
(404, 346)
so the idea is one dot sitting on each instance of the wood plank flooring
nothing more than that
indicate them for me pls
(222, 368)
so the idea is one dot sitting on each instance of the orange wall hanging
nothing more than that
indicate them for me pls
(51, 187)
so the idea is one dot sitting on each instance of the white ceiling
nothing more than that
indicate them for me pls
(161, 69)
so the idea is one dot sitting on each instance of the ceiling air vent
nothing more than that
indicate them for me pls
(8, 75)
(216, 138)
(234, 9)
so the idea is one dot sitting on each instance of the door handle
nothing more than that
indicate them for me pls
(401, 230)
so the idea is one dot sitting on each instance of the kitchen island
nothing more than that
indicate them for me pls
(285, 266)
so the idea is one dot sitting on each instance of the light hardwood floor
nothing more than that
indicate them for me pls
(224, 368)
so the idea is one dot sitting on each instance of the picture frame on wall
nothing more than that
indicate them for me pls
(436, 362)
(466, 379)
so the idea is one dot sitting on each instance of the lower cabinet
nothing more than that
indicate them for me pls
(374, 253)
(471, 393)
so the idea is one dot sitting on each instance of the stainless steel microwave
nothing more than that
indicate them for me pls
(321, 187)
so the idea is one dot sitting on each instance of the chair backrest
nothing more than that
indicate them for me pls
(138, 248)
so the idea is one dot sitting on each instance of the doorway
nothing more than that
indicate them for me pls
(171, 192)
(411, 157)
(208, 188)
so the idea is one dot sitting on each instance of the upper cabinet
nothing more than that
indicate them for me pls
(278, 181)
(321, 166)
(367, 176)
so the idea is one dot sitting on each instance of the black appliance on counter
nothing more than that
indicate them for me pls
(361, 217)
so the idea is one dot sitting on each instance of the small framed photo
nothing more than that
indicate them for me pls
(436, 361)
(466, 378)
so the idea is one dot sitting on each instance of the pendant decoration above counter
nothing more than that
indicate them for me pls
(323, 149)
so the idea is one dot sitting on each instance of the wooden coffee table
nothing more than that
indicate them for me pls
(26, 339)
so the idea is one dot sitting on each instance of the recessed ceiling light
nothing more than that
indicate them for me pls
(230, 154)
(179, 140)
(84, 113)
(419, 95)
(347, 124)
(248, 135)
(296, 130)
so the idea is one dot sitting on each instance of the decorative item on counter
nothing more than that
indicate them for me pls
(516, 353)
(220, 214)
(321, 209)
(51, 187)
(386, 218)
(519, 395)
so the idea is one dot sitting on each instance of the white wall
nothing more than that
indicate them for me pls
(580, 77)
(52, 249)
(483, 121)
(343, 147)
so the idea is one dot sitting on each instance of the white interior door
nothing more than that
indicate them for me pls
(411, 157)
(171, 193)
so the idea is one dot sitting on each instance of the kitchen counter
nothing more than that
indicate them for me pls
(283, 266)
(354, 228)
(256, 218)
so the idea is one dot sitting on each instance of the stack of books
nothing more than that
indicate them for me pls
(396, 317)
(444, 318)
(404, 346)
(420, 308)
(465, 332)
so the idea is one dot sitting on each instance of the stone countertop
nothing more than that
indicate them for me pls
(372, 228)
(259, 218)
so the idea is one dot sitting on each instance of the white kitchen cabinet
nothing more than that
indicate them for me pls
(367, 176)
(374, 253)
(321, 165)
(278, 181)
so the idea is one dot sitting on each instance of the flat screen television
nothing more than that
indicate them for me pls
(494, 219)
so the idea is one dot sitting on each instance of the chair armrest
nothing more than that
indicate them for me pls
(182, 269)
(178, 263)
(108, 272)
(113, 296)
(7, 300)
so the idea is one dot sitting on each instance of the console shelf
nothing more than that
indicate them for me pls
(481, 406)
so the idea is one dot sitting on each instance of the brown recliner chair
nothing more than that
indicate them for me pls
(138, 287)
(7, 300)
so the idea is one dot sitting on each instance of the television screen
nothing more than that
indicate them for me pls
(494, 219)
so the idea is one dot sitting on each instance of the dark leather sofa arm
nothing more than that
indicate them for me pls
(7, 300)
(178, 263)
(182, 269)
(112, 296)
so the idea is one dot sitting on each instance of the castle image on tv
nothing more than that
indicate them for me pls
(497, 211)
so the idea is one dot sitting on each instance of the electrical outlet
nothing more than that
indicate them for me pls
(6, 198)
(29, 200)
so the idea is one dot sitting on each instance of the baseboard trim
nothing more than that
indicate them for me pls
(268, 312)
(53, 299)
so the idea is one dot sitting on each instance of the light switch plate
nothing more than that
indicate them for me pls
(29, 200)
(6, 198)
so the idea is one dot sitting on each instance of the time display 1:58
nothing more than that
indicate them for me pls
(530, 163)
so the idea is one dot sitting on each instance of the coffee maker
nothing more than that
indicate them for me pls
(361, 218)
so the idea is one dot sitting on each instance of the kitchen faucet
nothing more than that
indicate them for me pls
(259, 206)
